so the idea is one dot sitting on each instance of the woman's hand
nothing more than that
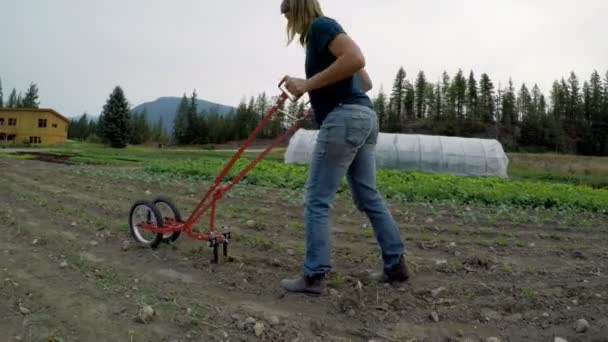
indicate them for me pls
(296, 86)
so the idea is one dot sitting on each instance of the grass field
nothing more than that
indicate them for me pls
(521, 259)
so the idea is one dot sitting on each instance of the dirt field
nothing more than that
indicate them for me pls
(69, 273)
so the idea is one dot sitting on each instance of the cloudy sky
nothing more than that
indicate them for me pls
(77, 51)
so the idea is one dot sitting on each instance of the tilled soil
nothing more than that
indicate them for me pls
(70, 271)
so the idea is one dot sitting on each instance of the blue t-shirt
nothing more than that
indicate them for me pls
(318, 57)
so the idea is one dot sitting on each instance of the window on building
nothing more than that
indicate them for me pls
(41, 123)
(1, 121)
(12, 122)
(35, 140)
(11, 137)
(54, 125)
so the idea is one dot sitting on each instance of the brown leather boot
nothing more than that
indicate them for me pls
(397, 274)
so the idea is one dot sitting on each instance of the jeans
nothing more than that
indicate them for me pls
(346, 146)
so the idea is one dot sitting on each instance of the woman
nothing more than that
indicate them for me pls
(345, 144)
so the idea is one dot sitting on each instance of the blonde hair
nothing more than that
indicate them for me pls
(300, 14)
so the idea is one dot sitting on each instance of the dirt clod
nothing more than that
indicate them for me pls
(490, 315)
(24, 310)
(273, 320)
(581, 325)
(258, 329)
(126, 244)
(146, 314)
(436, 292)
(434, 316)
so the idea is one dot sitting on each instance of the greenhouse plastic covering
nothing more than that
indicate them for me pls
(424, 153)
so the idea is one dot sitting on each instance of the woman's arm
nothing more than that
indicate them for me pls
(366, 82)
(349, 60)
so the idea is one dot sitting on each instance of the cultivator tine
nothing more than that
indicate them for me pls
(215, 254)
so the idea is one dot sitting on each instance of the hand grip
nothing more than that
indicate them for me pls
(290, 96)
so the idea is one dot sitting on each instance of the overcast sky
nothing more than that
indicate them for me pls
(77, 51)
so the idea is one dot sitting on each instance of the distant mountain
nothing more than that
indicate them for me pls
(167, 107)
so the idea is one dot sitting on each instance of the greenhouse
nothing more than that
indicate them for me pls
(423, 153)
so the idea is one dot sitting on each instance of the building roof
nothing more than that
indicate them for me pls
(40, 110)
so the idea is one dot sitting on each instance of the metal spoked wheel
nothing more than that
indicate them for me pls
(145, 213)
(170, 214)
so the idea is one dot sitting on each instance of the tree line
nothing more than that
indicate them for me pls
(18, 100)
(573, 120)
(118, 125)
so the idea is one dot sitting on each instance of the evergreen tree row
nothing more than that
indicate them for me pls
(119, 126)
(30, 100)
(574, 120)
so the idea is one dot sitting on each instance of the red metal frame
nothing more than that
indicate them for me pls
(217, 190)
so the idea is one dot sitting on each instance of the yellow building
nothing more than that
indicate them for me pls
(20, 126)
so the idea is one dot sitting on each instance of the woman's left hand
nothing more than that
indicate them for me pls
(296, 86)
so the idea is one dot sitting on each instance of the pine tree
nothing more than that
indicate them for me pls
(472, 98)
(12, 99)
(140, 132)
(595, 98)
(524, 104)
(72, 129)
(586, 105)
(116, 114)
(447, 107)
(603, 129)
(421, 91)
(31, 97)
(193, 124)
(241, 122)
(380, 106)
(605, 101)
(1, 95)
(527, 114)
(509, 111)
(409, 103)
(458, 93)
(158, 130)
(598, 114)
(19, 101)
(438, 101)
(429, 98)
(261, 108)
(559, 99)
(554, 133)
(82, 127)
(101, 126)
(92, 128)
(396, 102)
(252, 117)
(180, 124)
